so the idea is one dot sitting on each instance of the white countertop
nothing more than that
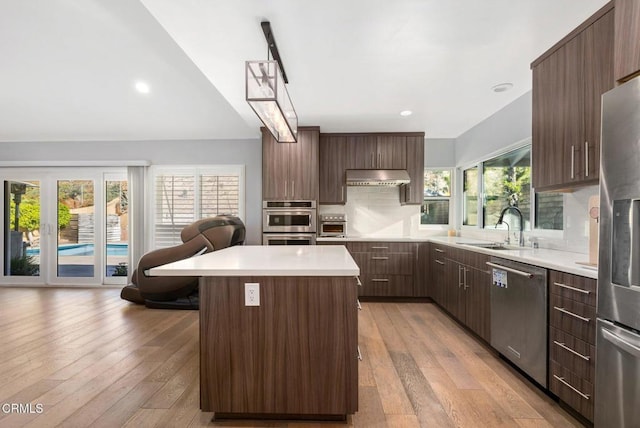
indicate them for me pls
(563, 261)
(264, 260)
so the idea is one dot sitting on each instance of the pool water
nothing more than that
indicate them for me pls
(113, 249)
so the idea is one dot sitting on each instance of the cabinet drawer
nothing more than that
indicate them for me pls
(385, 263)
(573, 317)
(377, 247)
(573, 287)
(572, 353)
(386, 285)
(572, 389)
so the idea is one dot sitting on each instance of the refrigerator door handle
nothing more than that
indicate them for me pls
(621, 343)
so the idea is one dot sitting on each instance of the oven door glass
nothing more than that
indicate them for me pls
(289, 240)
(288, 219)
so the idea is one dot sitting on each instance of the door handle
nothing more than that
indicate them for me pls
(586, 158)
(621, 343)
(573, 158)
(285, 189)
(508, 269)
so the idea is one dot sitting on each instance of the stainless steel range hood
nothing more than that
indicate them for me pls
(377, 177)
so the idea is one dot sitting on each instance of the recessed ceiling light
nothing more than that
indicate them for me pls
(142, 87)
(502, 87)
(406, 113)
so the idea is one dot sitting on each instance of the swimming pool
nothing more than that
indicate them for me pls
(113, 249)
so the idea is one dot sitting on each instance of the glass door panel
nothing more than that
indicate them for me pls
(76, 229)
(116, 230)
(21, 228)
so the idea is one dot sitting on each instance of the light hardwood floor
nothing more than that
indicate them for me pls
(91, 359)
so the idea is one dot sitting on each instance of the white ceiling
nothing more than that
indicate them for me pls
(69, 66)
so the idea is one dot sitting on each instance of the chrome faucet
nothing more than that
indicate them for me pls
(517, 210)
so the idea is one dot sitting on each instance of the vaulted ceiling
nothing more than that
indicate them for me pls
(69, 67)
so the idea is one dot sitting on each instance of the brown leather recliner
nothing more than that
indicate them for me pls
(180, 292)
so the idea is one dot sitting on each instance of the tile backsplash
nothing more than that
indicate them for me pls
(376, 211)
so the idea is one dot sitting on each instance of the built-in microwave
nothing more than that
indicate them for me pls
(333, 225)
(289, 217)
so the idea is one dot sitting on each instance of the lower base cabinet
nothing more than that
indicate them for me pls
(572, 340)
(460, 284)
(387, 269)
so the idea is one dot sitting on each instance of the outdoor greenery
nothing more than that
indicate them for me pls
(24, 266)
(30, 215)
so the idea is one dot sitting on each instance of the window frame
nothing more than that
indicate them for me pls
(189, 170)
(450, 198)
(479, 164)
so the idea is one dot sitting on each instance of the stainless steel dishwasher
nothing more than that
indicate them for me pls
(519, 315)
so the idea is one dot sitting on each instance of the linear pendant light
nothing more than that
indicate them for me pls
(267, 94)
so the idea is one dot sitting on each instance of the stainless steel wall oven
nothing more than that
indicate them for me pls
(289, 223)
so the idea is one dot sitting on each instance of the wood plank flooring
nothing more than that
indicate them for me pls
(91, 359)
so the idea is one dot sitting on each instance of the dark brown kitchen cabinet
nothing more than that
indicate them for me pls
(413, 193)
(568, 81)
(460, 285)
(387, 269)
(290, 170)
(376, 151)
(627, 39)
(572, 340)
(422, 282)
(333, 161)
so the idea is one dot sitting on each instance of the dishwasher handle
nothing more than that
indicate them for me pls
(508, 269)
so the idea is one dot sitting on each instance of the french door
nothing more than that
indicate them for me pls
(64, 226)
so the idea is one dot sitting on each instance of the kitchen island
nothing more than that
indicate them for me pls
(292, 356)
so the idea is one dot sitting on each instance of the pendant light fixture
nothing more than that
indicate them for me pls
(267, 94)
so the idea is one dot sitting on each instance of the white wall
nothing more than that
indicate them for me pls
(439, 152)
(502, 129)
(192, 152)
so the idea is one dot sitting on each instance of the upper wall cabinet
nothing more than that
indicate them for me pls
(413, 193)
(371, 151)
(568, 82)
(290, 170)
(333, 161)
(627, 39)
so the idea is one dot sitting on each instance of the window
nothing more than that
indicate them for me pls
(437, 197)
(183, 195)
(470, 196)
(505, 180)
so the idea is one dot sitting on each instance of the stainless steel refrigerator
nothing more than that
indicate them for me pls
(617, 389)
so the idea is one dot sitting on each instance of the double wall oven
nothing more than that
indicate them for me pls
(289, 223)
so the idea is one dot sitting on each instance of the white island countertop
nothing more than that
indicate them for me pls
(265, 260)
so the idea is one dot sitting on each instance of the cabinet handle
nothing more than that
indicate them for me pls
(577, 391)
(373, 163)
(379, 280)
(293, 188)
(564, 311)
(358, 281)
(464, 270)
(565, 347)
(408, 192)
(586, 158)
(439, 262)
(379, 258)
(573, 156)
(359, 354)
(342, 194)
(568, 287)
(379, 160)
(285, 189)
(379, 248)
(438, 250)
(459, 277)
(358, 305)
